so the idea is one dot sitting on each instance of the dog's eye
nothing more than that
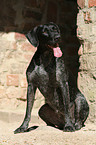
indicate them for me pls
(44, 32)
(54, 29)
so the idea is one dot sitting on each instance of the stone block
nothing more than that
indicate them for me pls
(28, 57)
(12, 92)
(89, 47)
(23, 96)
(87, 84)
(13, 80)
(87, 62)
(91, 61)
(87, 17)
(84, 31)
(81, 3)
(93, 14)
(92, 114)
(17, 67)
(19, 36)
(94, 30)
(91, 3)
(2, 92)
(23, 82)
(28, 47)
(14, 46)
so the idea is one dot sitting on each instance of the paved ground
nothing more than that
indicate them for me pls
(43, 135)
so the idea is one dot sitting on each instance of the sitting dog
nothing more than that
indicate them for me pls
(66, 108)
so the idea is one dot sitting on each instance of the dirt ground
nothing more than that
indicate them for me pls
(43, 135)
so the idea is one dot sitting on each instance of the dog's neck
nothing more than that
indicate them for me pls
(45, 55)
(44, 49)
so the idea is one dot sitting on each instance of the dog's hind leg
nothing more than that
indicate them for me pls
(81, 110)
(50, 116)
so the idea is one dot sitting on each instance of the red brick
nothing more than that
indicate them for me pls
(91, 3)
(81, 3)
(19, 36)
(13, 80)
(28, 47)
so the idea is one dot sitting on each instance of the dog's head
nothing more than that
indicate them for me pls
(47, 35)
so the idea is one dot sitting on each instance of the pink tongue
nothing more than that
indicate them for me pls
(57, 52)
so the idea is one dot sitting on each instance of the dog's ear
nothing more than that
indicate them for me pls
(32, 37)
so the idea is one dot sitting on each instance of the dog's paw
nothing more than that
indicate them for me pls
(69, 128)
(20, 130)
(78, 125)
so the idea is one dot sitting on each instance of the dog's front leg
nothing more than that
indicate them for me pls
(66, 102)
(30, 100)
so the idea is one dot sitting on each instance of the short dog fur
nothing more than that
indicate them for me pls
(66, 107)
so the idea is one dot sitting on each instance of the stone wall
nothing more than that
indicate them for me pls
(87, 34)
(17, 17)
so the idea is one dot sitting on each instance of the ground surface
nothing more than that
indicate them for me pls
(43, 135)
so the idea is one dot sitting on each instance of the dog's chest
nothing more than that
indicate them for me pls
(47, 68)
(49, 85)
(46, 76)
(50, 73)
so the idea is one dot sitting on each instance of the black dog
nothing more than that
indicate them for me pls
(66, 108)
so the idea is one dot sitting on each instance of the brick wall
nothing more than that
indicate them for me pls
(86, 21)
(18, 17)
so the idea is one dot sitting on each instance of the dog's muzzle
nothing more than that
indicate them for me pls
(56, 50)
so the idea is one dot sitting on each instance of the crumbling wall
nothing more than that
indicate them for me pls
(87, 34)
